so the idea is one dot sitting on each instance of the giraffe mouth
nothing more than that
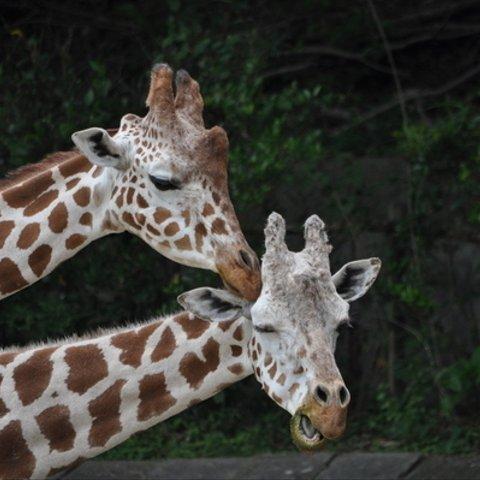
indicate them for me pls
(304, 435)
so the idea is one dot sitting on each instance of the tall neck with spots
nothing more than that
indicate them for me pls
(48, 217)
(62, 403)
(162, 177)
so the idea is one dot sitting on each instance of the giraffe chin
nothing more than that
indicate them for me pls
(304, 435)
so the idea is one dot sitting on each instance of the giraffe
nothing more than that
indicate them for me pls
(162, 177)
(63, 402)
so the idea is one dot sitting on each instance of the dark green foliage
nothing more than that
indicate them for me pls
(309, 102)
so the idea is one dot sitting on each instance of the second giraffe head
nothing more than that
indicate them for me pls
(170, 182)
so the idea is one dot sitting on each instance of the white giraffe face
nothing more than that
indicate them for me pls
(295, 328)
(171, 184)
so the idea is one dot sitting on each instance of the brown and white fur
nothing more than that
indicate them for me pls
(162, 177)
(63, 402)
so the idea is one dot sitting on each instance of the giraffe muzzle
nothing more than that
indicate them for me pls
(240, 272)
(313, 424)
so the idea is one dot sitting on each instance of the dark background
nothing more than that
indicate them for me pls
(365, 112)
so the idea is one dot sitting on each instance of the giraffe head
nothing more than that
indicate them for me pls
(169, 182)
(295, 322)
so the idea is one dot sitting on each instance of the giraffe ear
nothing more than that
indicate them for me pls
(213, 304)
(101, 149)
(354, 279)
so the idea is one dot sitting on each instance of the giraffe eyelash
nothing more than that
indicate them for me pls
(165, 184)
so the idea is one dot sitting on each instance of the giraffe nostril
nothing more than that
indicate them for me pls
(322, 394)
(246, 259)
(343, 394)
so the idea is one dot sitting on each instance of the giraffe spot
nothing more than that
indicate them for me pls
(11, 278)
(87, 367)
(119, 200)
(200, 233)
(141, 202)
(22, 195)
(165, 346)
(293, 388)
(3, 408)
(33, 376)
(281, 379)
(183, 243)
(236, 350)
(58, 218)
(6, 228)
(72, 183)
(56, 427)
(16, 459)
(74, 241)
(97, 171)
(259, 349)
(6, 358)
(225, 325)
(82, 196)
(194, 327)
(254, 356)
(276, 398)
(238, 333)
(41, 203)
(172, 229)
(218, 227)
(152, 229)
(130, 193)
(298, 371)
(268, 360)
(105, 411)
(186, 217)
(28, 235)
(236, 369)
(140, 218)
(86, 219)
(216, 198)
(155, 398)
(132, 344)
(77, 164)
(272, 371)
(207, 210)
(39, 259)
(161, 214)
(194, 369)
(127, 217)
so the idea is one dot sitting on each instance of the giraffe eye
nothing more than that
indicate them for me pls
(264, 328)
(164, 184)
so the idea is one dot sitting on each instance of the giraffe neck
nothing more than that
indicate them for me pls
(62, 403)
(48, 215)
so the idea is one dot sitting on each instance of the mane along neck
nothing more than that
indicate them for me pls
(64, 402)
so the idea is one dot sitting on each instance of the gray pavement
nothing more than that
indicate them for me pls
(288, 466)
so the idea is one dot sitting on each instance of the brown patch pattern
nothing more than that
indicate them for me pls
(87, 366)
(28, 235)
(58, 218)
(155, 399)
(86, 219)
(5, 229)
(194, 327)
(74, 241)
(133, 344)
(40, 258)
(22, 195)
(165, 346)
(11, 278)
(33, 376)
(55, 424)
(82, 196)
(41, 203)
(218, 227)
(161, 214)
(105, 411)
(194, 369)
(16, 459)
(183, 243)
